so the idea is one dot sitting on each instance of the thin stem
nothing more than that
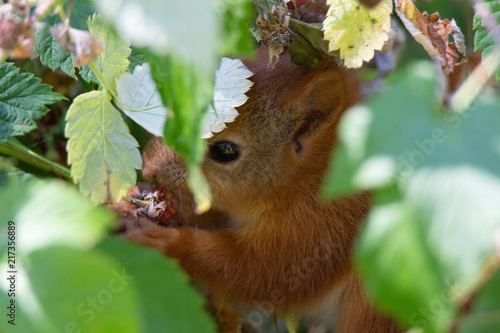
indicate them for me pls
(112, 93)
(60, 11)
(478, 79)
(68, 13)
(98, 74)
(144, 202)
(5, 57)
(491, 267)
(101, 79)
(15, 149)
(123, 107)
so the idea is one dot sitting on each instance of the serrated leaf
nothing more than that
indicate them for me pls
(23, 99)
(113, 60)
(355, 30)
(50, 51)
(231, 83)
(101, 150)
(79, 42)
(167, 300)
(483, 38)
(138, 91)
(136, 58)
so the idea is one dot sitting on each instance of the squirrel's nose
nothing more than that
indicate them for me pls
(162, 164)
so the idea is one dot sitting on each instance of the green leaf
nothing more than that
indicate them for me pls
(303, 54)
(22, 319)
(443, 167)
(81, 12)
(404, 276)
(8, 172)
(485, 316)
(102, 152)
(51, 52)
(483, 38)
(140, 100)
(167, 301)
(83, 290)
(366, 158)
(312, 34)
(51, 213)
(186, 90)
(136, 58)
(62, 283)
(112, 62)
(308, 47)
(237, 20)
(190, 29)
(22, 101)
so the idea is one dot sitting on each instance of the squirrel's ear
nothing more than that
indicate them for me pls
(311, 123)
(329, 91)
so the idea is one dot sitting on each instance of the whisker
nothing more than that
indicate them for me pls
(181, 177)
(180, 203)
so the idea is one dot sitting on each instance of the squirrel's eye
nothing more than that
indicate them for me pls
(224, 151)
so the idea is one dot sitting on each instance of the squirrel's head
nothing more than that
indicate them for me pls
(279, 145)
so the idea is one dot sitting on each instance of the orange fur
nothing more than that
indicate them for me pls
(274, 242)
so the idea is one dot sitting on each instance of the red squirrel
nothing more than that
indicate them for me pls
(271, 240)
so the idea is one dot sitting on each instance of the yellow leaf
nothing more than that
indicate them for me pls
(357, 30)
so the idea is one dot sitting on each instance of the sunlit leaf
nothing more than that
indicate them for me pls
(113, 61)
(357, 31)
(141, 100)
(231, 83)
(102, 153)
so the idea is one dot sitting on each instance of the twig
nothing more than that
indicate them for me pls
(475, 83)
(15, 149)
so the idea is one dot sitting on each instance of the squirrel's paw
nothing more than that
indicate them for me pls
(144, 231)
